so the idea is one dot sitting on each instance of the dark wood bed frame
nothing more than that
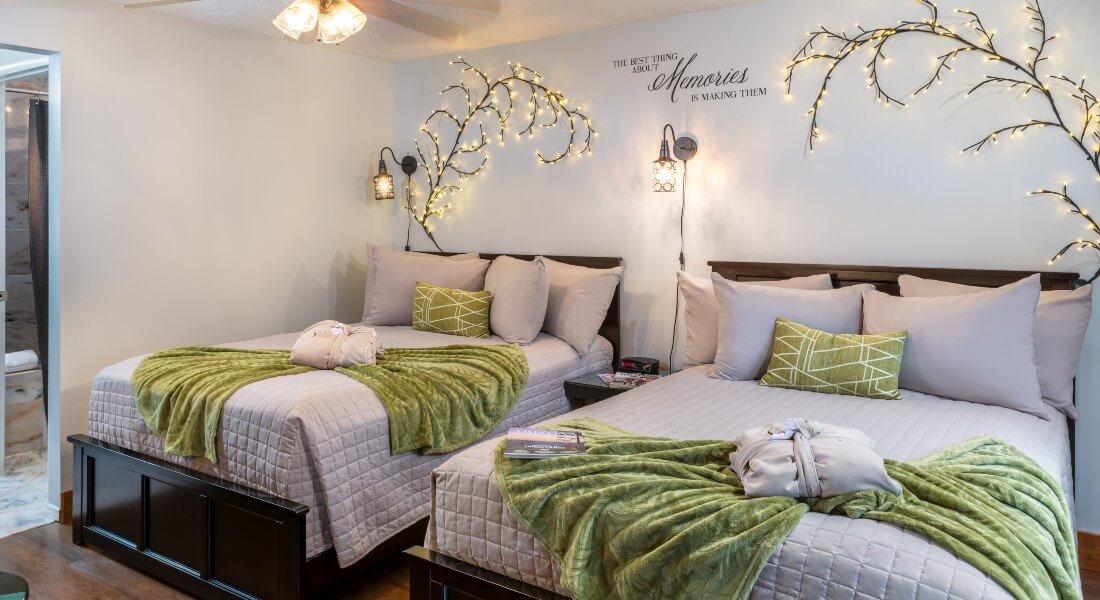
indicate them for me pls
(213, 538)
(436, 576)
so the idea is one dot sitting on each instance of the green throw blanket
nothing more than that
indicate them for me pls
(437, 399)
(647, 517)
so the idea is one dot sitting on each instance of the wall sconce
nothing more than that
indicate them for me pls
(384, 188)
(664, 180)
(664, 168)
(383, 181)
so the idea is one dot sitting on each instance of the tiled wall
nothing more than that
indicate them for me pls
(22, 333)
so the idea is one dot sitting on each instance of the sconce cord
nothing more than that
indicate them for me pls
(408, 194)
(408, 211)
(676, 311)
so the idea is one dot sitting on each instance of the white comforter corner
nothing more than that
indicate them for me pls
(825, 556)
(322, 439)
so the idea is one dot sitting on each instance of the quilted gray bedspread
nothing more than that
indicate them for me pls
(825, 556)
(322, 439)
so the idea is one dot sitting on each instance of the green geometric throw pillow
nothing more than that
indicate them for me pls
(854, 365)
(457, 312)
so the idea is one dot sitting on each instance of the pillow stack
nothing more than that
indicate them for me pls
(747, 315)
(1061, 318)
(701, 311)
(392, 277)
(466, 295)
(1013, 346)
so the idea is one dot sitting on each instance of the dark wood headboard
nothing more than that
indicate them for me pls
(610, 328)
(885, 279)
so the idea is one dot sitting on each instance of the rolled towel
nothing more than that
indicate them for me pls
(24, 360)
(806, 459)
(330, 344)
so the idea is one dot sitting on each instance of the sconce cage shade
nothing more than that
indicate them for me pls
(664, 175)
(383, 183)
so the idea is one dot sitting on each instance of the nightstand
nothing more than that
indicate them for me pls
(590, 389)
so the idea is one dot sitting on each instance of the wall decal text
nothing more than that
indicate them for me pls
(676, 75)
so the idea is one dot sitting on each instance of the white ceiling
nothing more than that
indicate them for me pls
(458, 24)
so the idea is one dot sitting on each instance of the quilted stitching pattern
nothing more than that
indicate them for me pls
(323, 440)
(826, 556)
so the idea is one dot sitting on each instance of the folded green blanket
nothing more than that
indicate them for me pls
(436, 399)
(648, 517)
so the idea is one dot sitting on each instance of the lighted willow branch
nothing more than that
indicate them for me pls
(1073, 208)
(518, 102)
(833, 48)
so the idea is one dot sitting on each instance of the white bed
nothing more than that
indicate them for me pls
(825, 556)
(322, 439)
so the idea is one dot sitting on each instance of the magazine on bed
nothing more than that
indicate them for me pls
(626, 381)
(522, 442)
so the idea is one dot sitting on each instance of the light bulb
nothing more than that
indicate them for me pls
(339, 21)
(664, 175)
(298, 18)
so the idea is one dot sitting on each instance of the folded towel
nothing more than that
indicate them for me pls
(331, 344)
(24, 360)
(807, 459)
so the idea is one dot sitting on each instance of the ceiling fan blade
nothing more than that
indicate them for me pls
(153, 3)
(411, 18)
(487, 5)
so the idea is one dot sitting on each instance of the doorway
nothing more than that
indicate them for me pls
(24, 94)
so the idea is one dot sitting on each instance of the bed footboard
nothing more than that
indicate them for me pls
(203, 534)
(434, 576)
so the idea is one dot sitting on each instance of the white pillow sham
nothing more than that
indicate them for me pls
(747, 314)
(520, 290)
(578, 302)
(1061, 319)
(976, 347)
(701, 311)
(371, 249)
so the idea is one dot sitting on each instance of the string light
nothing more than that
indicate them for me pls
(544, 108)
(833, 48)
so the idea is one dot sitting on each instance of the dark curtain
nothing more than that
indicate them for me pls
(38, 182)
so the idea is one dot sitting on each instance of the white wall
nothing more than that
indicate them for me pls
(213, 184)
(886, 187)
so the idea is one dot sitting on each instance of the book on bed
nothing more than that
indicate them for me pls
(542, 443)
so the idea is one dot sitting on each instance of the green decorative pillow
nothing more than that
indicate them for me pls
(854, 365)
(457, 312)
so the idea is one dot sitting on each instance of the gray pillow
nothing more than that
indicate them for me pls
(520, 291)
(977, 347)
(371, 249)
(394, 276)
(747, 314)
(701, 311)
(578, 301)
(1060, 323)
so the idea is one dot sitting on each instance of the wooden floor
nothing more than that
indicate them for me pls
(55, 568)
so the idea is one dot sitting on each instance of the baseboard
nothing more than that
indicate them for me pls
(1088, 550)
(65, 511)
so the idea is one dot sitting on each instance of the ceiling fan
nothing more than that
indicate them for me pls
(339, 19)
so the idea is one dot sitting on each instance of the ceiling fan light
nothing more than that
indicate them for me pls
(339, 21)
(298, 18)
